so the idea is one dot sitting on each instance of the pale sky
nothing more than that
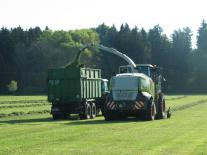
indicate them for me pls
(76, 14)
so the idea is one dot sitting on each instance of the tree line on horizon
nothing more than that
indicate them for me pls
(26, 55)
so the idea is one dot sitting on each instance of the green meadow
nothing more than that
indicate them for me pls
(26, 127)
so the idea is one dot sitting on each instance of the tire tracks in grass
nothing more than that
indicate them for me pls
(189, 105)
(176, 98)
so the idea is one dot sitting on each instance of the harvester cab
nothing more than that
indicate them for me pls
(152, 71)
(147, 69)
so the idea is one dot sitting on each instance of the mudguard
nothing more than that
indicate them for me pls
(147, 95)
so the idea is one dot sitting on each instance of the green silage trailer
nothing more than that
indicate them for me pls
(74, 90)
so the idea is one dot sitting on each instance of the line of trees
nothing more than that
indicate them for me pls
(25, 55)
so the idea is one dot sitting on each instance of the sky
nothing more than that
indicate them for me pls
(76, 14)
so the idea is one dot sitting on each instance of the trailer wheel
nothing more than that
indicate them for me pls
(87, 112)
(93, 110)
(161, 108)
(151, 111)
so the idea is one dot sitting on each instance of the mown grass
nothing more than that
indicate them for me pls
(176, 101)
(184, 133)
(21, 98)
(24, 109)
(23, 105)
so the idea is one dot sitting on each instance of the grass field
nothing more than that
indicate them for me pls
(21, 98)
(34, 133)
(22, 105)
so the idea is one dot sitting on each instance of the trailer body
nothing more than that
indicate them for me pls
(70, 89)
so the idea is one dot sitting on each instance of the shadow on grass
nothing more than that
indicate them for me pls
(102, 121)
(36, 120)
(19, 121)
(74, 120)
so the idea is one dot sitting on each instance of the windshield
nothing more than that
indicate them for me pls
(125, 69)
(104, 87)
(144, 69)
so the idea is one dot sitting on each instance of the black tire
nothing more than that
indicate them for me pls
(93, 110)
(161, 108)
(87, 112)
(59, 116)
(55, 116)
(109, 116)
(82, 116)
(66, 116)
(151, 111)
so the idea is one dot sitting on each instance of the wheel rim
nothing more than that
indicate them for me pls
(88, 111)
(152, 111)
(163, 105)
(93, 110)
